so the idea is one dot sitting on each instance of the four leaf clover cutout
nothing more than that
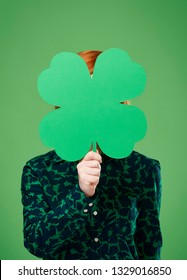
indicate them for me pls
(91, 110)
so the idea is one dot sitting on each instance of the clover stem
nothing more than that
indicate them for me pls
(94, 146)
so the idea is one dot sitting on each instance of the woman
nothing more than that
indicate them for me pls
(78, 210)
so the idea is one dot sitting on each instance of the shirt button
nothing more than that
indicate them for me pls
(96, 239)
(95, 213)
(90, 204)
(85, 210)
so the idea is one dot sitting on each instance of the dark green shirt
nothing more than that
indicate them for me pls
(121, 221)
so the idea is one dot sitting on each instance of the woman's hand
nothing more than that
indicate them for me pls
(89, 170)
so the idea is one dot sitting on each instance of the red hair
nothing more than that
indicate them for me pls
(90, 58)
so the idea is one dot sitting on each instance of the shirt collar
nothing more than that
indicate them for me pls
(58, 159)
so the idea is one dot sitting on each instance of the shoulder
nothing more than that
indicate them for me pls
(44, 160)
(139, 159)
(148, 167)
(141, 166)
(135, 165)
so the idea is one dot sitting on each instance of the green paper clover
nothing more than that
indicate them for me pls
(90, 107)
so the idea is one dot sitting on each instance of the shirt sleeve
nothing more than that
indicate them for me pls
(148, 236)
(46, 230)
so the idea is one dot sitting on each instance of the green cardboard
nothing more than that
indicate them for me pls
(90, 107)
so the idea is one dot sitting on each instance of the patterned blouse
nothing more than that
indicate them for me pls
(121, 220)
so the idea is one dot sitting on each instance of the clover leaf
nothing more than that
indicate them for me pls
(90, 107)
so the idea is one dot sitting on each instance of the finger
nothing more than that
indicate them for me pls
(92, 171)
(92, 164)
(93, 156)
(91, 179)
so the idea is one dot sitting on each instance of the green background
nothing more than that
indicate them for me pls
(154, 34)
